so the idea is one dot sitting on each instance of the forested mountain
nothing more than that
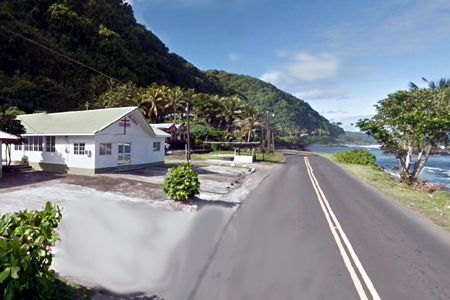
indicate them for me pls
(104, 35)
(290, 115)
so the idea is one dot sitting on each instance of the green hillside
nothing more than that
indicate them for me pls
(104, 35)
(291, 115)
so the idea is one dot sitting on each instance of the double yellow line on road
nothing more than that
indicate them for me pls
(341, 239)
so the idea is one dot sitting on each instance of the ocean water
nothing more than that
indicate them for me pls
(436, 170)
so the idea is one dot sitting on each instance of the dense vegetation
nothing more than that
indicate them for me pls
(356, 138)
(104, 35)
(291, 116)
(25, 253)
(356, 156)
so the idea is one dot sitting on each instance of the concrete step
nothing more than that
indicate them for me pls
(125, 168)
(17, 168)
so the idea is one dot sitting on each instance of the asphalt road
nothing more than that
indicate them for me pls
(336, 239)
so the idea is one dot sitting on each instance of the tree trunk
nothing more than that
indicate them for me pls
(422, 161)
(8, 157)
(249, 133)
(408, 157)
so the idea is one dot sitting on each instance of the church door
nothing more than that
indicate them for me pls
(124, 153)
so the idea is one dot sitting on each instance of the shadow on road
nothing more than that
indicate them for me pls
(203, 203)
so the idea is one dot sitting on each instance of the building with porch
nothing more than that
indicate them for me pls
(177, 132)
(5, 137)
(89, 142)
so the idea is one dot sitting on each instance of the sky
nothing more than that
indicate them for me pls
(340, 56)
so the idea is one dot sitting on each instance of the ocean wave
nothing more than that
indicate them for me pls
(437, 170)
(364, 146)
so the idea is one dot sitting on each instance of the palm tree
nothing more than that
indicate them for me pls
(151, 102)
(175, 100)
(248, 120)
(441, 84)
(231, 106)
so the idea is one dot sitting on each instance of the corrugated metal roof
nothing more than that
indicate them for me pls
(7, 136)
(163, 125)
(160, 133)
(73, 122)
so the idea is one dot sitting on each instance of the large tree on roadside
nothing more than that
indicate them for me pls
(407, 122)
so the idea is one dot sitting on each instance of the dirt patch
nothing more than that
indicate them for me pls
(31, 189)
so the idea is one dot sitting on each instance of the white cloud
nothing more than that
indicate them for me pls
(315, 94)
(274, 77)
(305, 66)
(300, 67)
(196, 2)
(334, 112)
(233, 57)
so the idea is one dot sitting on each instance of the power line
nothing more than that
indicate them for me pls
(61, 55)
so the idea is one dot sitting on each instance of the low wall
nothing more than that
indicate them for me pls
(247, 159)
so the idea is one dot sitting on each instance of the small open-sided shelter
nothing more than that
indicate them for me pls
(90, 141)
(5, 137)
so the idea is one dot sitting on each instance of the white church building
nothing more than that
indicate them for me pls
(89, 142)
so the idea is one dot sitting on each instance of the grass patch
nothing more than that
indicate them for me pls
(67, 290)
(268, 158)
(435, 206)
(211, 155)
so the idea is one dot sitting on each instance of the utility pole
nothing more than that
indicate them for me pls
(188, 156)
(262, 141)
(273, 144)
(268, 132)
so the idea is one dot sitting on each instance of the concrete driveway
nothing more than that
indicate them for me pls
(120, 233)
(32, 189)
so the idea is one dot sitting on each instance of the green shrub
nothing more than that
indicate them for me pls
(356, 156)
(25, 258)
(181, 183)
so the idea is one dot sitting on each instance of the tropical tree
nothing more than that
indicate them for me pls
(441, 84)
(152, 102)
(120, 95)
(206, 108)
(248, 120)
(175, 100)
(407, 122)
(231, 107)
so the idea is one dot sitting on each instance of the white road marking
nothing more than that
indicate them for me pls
(337, 226)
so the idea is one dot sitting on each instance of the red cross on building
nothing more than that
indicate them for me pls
(124, 124)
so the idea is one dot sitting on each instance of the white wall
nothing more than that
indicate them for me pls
(1, 162)
(141, 143)
(79, 161)
(63, 154)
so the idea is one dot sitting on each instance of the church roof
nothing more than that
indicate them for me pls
(86, 122)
